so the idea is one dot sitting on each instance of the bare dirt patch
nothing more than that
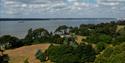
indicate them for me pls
(80, 38)
(119, 27)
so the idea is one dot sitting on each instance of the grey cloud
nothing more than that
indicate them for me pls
(62, 8)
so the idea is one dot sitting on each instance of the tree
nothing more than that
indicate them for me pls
(56, 39)
(120, 37)
(63, 29)
(41, 56)
(85, 52)
(112, 55)
(84, 30)
(40, 34)
(100, 46)
(95, 38)
(36, 36)
(55, 53)
(106, 28)
(8, 41)
(29, 37)
(69, 58)
(68, 54)
(74, 30)
(105, 38)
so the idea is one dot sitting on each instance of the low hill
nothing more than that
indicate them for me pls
(18, 55)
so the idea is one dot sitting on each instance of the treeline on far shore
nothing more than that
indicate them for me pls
(101, 35)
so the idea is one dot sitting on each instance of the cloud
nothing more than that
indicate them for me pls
(49, 8)
(46, 4)
(111, 2)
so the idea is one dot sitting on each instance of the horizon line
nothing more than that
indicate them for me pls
(10, 19)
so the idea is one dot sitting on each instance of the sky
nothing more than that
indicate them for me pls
(62, 8)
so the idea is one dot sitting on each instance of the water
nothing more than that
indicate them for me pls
(20, 28)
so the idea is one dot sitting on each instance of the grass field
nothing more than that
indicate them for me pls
(18, 55)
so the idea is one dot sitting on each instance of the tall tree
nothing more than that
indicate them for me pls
(63, 29)
(29, 37)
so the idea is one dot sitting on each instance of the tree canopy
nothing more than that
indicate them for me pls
(63, 54)
(112, 55)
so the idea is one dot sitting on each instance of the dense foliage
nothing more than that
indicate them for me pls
(7, 42)
(67, 54)
(41, 56)
(4, 58)
(112, 55)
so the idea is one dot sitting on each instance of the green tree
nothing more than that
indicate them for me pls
(40, 34)
(29, 37)
(69, 58)
(63, 29)
(85, 52)
(112, 55)
(8, 41)
(95, 38)
(120, 37)
(41, 56)
(57, 39)
(74, 30)
(55, 53)
(84, 30)
(105, 38)
(68, 54)
(100, 46)
(103, 58)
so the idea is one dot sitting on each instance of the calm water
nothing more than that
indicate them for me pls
(20, 28)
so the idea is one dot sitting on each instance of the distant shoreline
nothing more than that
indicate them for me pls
(16, 19)
(9, 26)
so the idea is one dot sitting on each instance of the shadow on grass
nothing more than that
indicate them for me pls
(4, 58)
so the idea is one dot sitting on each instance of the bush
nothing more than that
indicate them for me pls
(100, 46)
(67, 54)
(26, 60)
(56, 52)
(41, 56)
(4, 59)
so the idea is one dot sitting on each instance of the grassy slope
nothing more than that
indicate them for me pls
(18, 55)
